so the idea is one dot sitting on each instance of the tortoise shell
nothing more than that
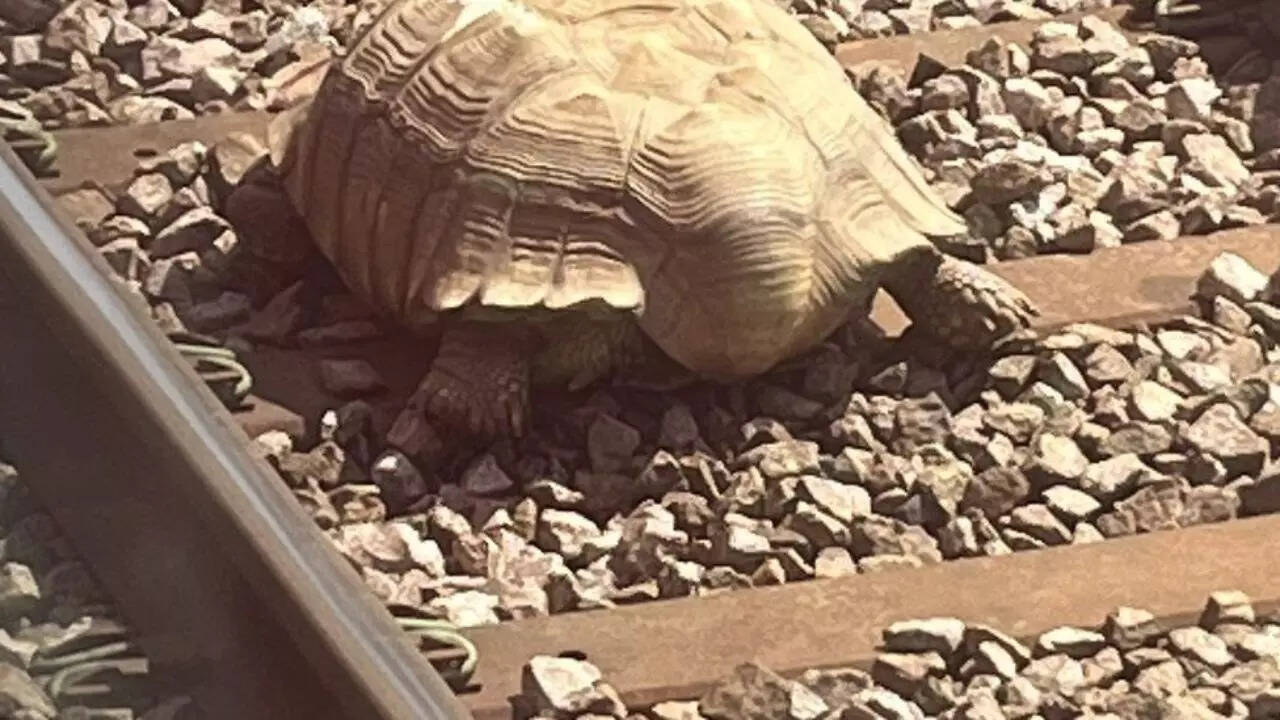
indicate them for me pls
(703, 164)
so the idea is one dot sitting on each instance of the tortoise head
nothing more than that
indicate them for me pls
(273, 244)
(270, 229)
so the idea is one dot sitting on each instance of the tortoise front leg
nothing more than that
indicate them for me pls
(954, 302)
(477, 390)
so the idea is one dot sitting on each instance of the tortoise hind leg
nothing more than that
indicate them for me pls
(476, 390)
(957, 303)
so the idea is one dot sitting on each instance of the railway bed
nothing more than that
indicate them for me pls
(262, 613)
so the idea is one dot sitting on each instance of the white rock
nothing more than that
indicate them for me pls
(941, 635)
(1232, 277)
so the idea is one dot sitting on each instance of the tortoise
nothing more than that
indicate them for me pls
(556, 184)
(1200, 19)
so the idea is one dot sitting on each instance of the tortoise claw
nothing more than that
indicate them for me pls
(480, 405)
(476, 391)
(969, 308)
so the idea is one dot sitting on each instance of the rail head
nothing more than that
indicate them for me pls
(213, 562)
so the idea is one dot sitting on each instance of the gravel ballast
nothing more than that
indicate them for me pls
(849, 461)
(100, 62)
(627, 496)
(1086, 139)
(1225, 666)
(54, 618)
(1085, 435)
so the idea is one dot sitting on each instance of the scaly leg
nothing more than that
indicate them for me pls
(476, 390)
(579, 350)
(957, 303)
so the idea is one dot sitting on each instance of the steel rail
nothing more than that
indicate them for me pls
(238, 598)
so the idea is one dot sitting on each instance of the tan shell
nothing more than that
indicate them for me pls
(704, 164)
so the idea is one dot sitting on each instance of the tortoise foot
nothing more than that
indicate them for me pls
(965, 307)
(476, 391)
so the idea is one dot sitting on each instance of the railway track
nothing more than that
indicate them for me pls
(263, 619)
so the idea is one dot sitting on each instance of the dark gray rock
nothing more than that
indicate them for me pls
(754, 692)
(942, 635)
(921, 422)
(565, 686)
(1106, 365)
(611, 444)
(1073, 642)
(1222, 433)
(1127, 628)
(1019, 421)
(788, 458)
(1138, 438)
(905, 673)
(1227, 607)
(1040, 523)
(996, 491)
(1155, 507)
(1055, 460)
(877, 535)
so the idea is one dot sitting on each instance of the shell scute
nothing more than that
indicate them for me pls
(702, 163)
